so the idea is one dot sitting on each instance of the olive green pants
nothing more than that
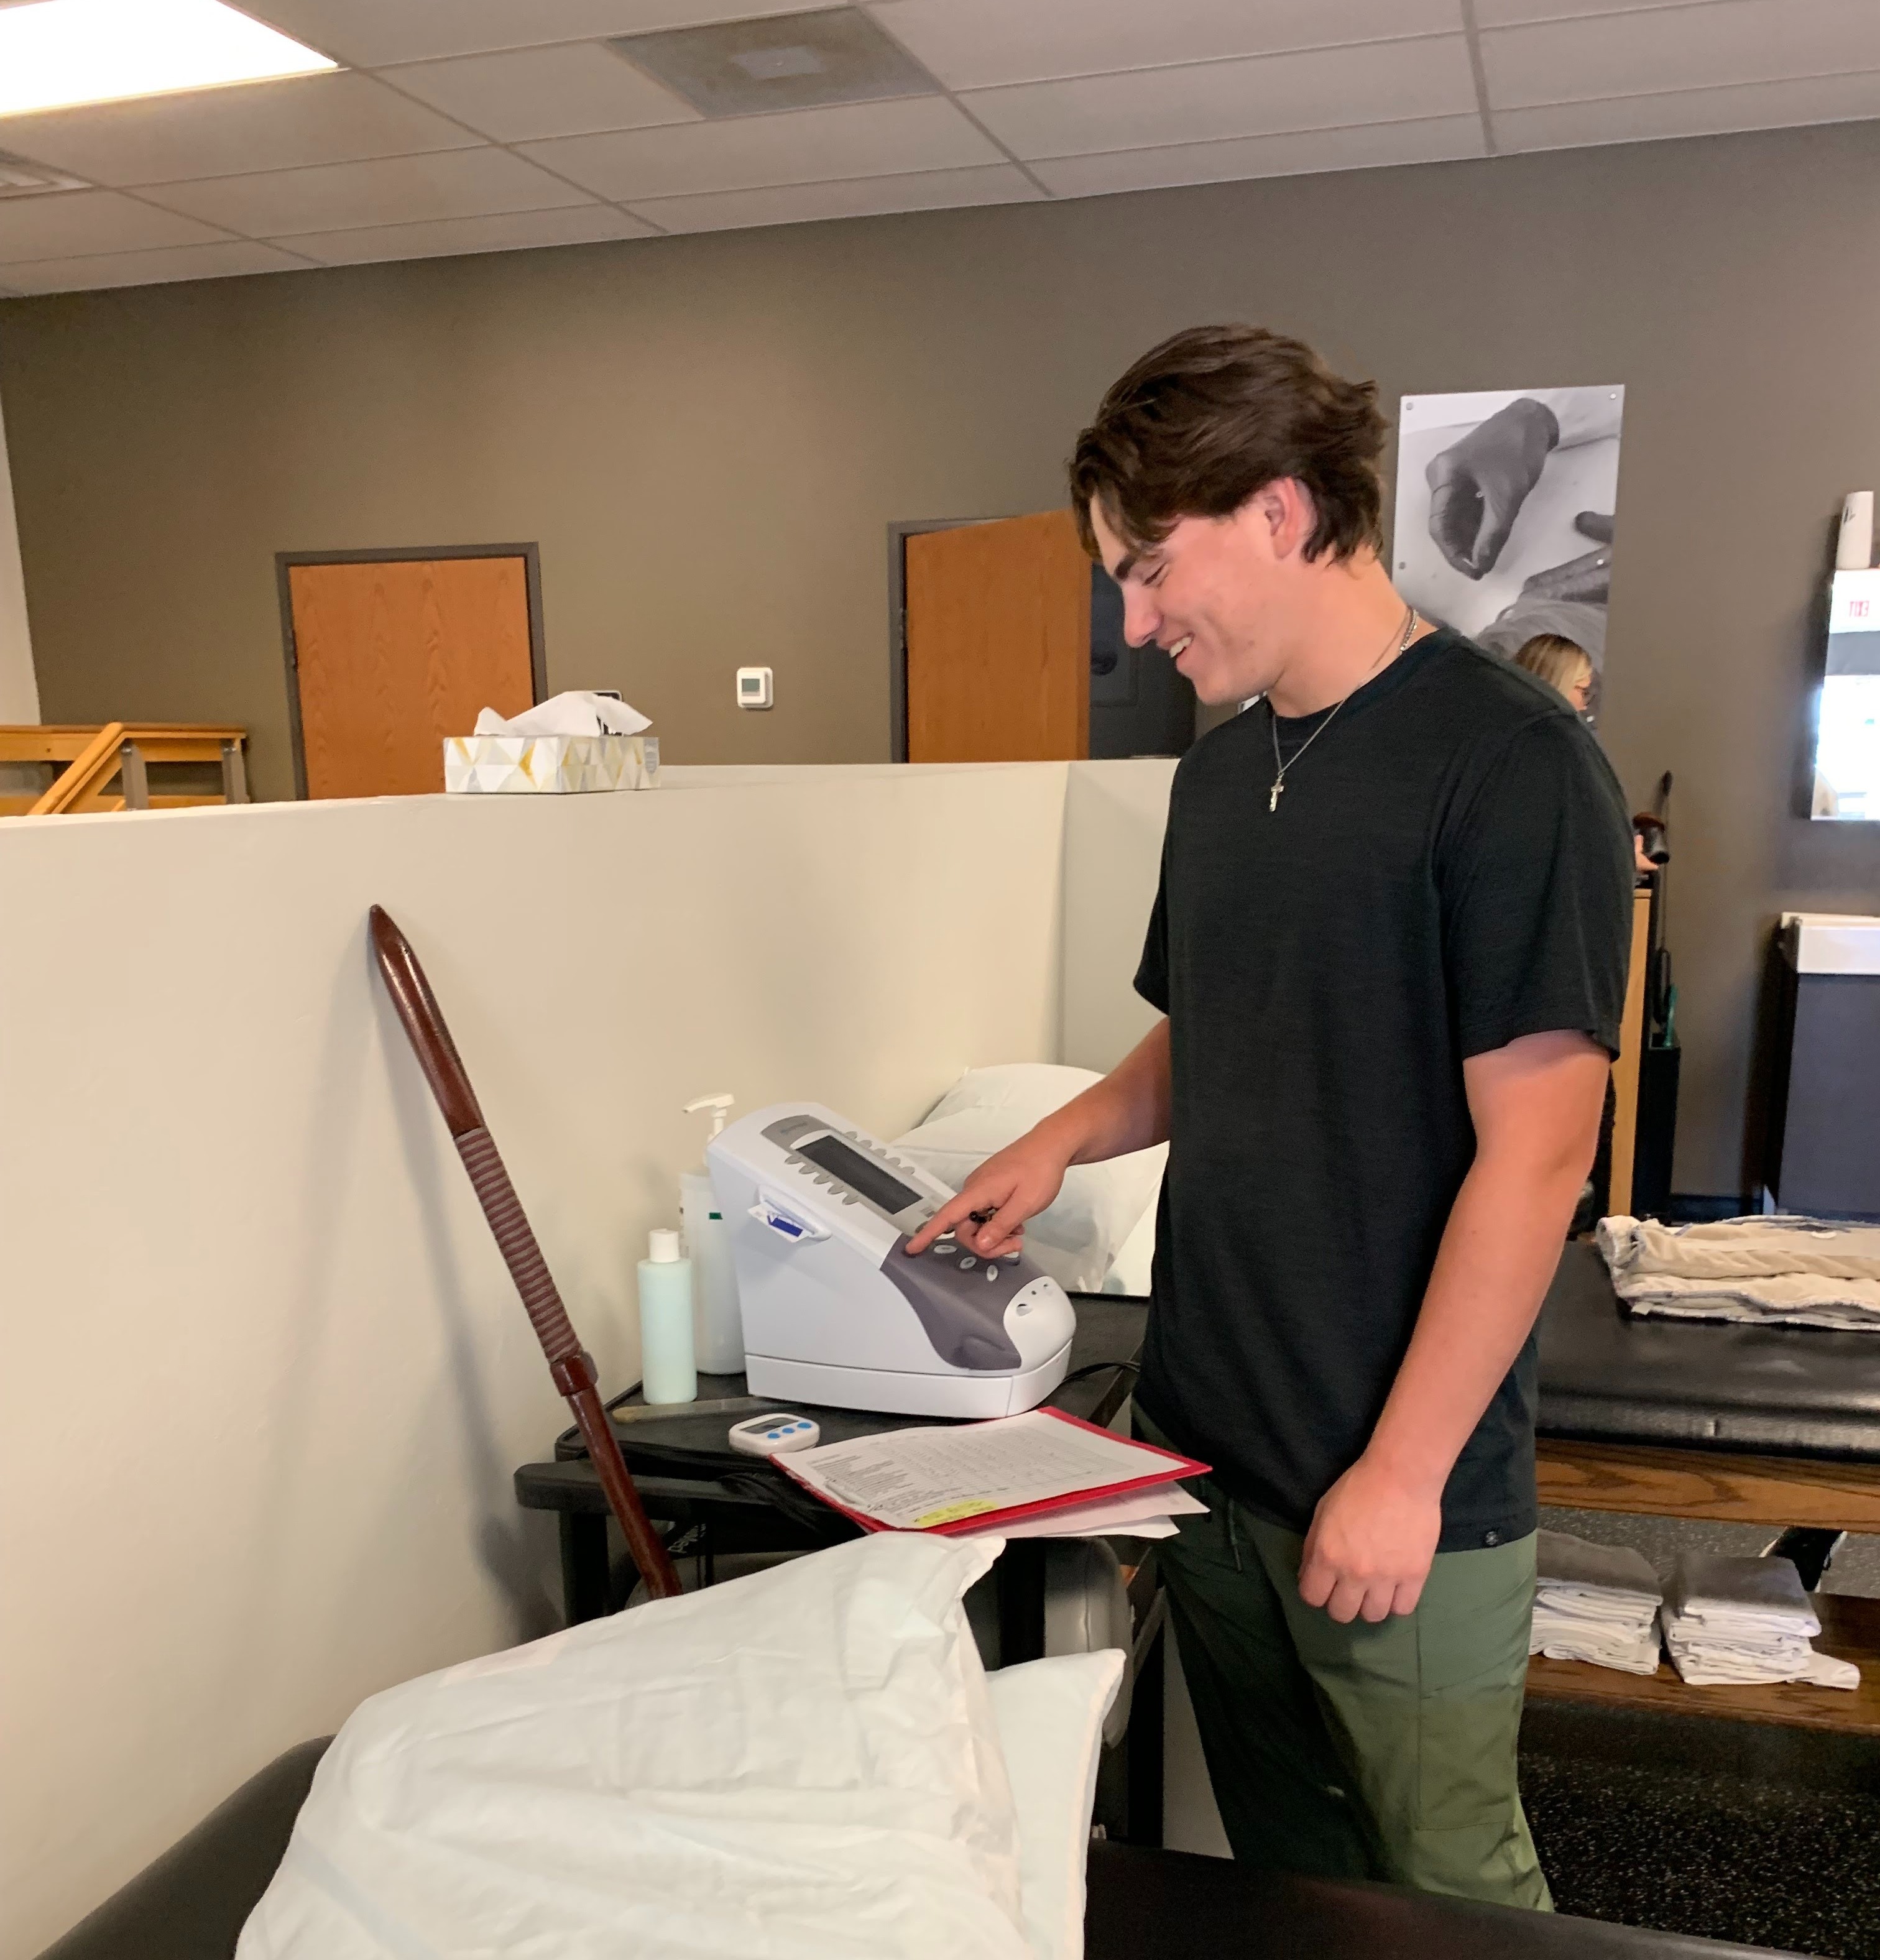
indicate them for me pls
(1362, 1751)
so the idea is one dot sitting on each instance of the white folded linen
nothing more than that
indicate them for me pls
(1597, 1603)
(1564, 1636)
(1731, 1620)
(1794, 1272)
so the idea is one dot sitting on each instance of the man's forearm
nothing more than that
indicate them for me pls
(1499, 1252)
(1128, 1110)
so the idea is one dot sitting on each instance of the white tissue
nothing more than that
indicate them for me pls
(572, 713)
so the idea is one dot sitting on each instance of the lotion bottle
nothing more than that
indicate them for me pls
(718, 1324)
(667, 1371)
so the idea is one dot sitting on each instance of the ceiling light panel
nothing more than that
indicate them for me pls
(981, 44)
(794, 61)
(55, 54)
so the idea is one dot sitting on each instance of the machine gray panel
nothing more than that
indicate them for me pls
(962, 1311)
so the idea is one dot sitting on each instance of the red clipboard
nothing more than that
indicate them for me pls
(1178, 1467)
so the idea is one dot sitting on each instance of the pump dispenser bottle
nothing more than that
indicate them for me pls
(718, 1325)
(667, 1371)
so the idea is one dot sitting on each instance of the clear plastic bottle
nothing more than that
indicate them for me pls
(717, 1325)
(666, 1370)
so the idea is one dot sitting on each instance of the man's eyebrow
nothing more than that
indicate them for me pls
(1126, 565)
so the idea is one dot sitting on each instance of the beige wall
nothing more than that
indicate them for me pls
(708, 435)
(265, 1378)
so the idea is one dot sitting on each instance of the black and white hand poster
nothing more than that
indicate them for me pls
(1505, 501)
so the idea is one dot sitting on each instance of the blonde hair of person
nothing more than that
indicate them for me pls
(1564, 664)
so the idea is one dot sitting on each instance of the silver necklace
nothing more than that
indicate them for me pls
(1273, 720)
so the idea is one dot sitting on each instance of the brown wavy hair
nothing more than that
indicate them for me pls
(1216, 413)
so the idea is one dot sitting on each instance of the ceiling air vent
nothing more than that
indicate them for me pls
(788, 61)
(20, 178)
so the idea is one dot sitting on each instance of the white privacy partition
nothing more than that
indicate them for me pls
(1113, 816)
(265, 1378)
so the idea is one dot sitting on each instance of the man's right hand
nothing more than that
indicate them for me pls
(989, 1214)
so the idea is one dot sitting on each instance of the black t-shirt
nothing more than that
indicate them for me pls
(1449, 868)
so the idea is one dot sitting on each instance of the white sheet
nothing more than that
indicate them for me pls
(802, 1765)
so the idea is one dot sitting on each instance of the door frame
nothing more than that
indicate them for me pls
(898, 534)
(284, 561)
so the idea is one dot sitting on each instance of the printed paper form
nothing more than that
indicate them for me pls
(915, 1479)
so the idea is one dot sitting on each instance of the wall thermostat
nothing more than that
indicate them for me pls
(754, 687)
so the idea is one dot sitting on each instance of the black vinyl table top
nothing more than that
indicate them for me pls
(1608, 1377)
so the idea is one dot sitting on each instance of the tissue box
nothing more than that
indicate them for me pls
(551, 765)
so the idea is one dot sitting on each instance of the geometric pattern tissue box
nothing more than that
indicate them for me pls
(549, 765)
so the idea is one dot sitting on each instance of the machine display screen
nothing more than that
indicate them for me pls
(860, 1173)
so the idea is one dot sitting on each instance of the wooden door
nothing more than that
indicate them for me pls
(391, 655)
(998, 642)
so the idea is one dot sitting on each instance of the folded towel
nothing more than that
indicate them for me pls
(1797, 1272)
(1563, 1636)
(1740, 1621)
(1720, 1593)
(1597, 1603)
(1563, 1562)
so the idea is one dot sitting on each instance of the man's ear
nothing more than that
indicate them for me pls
(1284, 515)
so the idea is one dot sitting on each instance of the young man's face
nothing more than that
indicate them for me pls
(1210, 595)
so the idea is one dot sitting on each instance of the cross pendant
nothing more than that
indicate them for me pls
(1272, 796)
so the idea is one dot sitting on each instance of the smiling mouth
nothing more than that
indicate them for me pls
(1181, 646)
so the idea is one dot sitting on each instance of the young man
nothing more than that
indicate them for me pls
(1390, 949)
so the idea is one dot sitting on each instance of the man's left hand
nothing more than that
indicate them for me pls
(1368, 1550)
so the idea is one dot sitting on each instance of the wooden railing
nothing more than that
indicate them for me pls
(107, 768)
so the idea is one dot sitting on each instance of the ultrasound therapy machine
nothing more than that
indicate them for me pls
(819, 1214)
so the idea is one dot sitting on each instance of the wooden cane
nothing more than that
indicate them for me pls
(569, 1364)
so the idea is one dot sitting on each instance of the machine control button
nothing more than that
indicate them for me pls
(1013, 1258)
(945, 1251)
(850, 1201)
(967, 1263)
(992, 1272)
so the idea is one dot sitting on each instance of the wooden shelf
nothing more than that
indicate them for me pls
(1850, 1628)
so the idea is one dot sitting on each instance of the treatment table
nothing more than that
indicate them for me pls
(1730, 1424)
(1142, 1904)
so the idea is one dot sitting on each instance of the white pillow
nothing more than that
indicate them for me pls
(803, 1761)
(1075, 1238)
(1050, 1714)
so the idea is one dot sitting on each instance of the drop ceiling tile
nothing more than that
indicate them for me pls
(265, 125)
(859, 139)
(1441, 139)
(1725, 43)
(457, 183)
(67, 224)
(1689, 112)
(149, 268)
(1510, 13)
(981, 44)
(511, 231)
(369, 33)
(567, 90)
(1389, 81)
(797, 204)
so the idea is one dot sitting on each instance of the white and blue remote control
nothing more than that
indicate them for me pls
(774, 1435)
